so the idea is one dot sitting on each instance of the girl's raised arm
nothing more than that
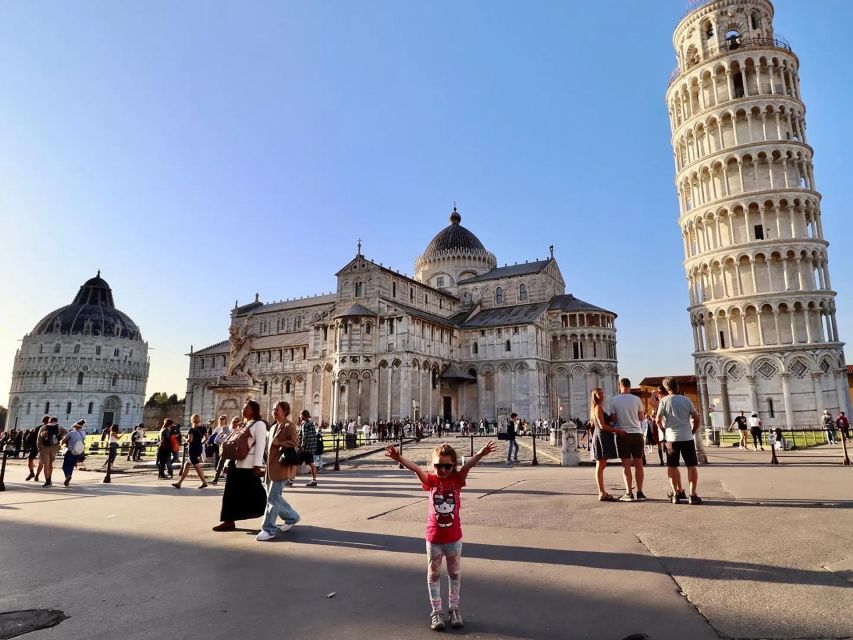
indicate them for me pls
(391, 452)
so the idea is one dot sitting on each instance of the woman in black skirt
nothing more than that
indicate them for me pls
(245, 496)
(603, 441)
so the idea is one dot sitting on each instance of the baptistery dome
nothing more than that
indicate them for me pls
(454, 254)
(93, 312)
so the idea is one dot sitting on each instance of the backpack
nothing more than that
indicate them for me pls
(236, 447)
(51, 436)
(321, 446)
(175, 445)
(78, 446)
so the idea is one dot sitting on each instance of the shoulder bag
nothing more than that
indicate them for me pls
(236, 447)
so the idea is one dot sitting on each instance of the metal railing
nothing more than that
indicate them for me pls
(734, 44)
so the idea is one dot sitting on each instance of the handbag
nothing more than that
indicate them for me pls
(236, 447)
(289, 456)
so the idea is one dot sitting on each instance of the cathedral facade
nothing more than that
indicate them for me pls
(463, 338)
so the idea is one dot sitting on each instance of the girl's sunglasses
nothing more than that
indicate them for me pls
(443, 467)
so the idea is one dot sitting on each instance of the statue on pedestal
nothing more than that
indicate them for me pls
(236, 371)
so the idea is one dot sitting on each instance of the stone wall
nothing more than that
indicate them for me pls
(153, 417)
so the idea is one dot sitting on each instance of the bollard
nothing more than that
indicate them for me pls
(337, 466)
(472, 445)
(401, 446)
(846, 462)
(3, 471)
(535, 461)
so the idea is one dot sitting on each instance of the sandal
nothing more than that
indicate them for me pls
(607, 498)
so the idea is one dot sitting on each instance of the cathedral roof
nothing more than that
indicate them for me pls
(526, 269)
(453, 238)
(355, 310)
(502, 316)
(92, 312)
(568, 302)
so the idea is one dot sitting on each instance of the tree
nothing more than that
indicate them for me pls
(160, 399)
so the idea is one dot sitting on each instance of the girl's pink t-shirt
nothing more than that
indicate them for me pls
(443, 523)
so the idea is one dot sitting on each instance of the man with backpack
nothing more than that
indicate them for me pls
(31, 444)
(49, 438)
(75, 442)
(164, 450)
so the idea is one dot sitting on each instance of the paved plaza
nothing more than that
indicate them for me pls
(767, 555)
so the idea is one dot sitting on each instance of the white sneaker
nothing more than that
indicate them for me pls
(263, 536)
(287, 527)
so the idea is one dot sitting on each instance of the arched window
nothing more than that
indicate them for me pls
(499, 295)
(90, 408)
(522, 293)
(97, 351)
(115, 352)
(367, 328)
(29, 406)
(475, 348)
(411, 294)
(733, 39)
(67, 408)
(507, 346)
(44, 377)
(56, 348)
(265, 387)
(287, 386)
(76, 348)
(80, 378)
(756, 24)
(47, 407)
(359, 289)
(115, 379)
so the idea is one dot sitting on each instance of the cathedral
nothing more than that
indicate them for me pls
(462, 338)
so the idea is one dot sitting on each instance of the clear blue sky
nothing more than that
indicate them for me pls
(198, 152)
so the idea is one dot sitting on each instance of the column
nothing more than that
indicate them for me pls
(335, 394)
(390, 369)
(703, 399)
(358, 406)
(405, 390)
(322, 396)
(753, 393)
(347, 393)
(842, 391)
(786, 396)
(807, 319)
(569, 408)
(834, 325)
(817, 381)
(374, 396)
(724, 399)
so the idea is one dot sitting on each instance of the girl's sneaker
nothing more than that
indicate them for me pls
(436, 621)
(456, 619)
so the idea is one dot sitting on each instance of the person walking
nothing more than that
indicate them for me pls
(113, 437)
(843, 425)
(75, 445)
(741, 424)
(444, 527)
(220, 439)
(674, 415)
(215, 442)
(512, 445)
(603, 441)
(282, 437)
(164, 450)
(829, 426)
(308, 445)
(195, 447)
(49, 438)
(626, 410)
(755, 431)
(244, 496)
(31, 444)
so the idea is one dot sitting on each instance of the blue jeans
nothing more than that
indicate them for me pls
(513, 446)
(277, 506)
(68, 464)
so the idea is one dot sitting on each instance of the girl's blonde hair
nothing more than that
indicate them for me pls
(195, 418)
(595, 402)
(445, 450)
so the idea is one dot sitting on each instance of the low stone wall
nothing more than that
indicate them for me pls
(153, 417)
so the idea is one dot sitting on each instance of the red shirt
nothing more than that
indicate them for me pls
(443, 523)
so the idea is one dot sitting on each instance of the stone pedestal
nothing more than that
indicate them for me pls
(231, 393)
(569, 454)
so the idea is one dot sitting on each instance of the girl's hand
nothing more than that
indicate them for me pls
(489, 448)
(391, 452)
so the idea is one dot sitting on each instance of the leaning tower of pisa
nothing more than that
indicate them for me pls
(761, 302)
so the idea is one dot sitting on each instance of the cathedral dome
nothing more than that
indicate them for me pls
(453, 237)
(93, 312)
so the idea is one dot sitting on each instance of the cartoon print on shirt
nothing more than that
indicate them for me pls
(444, 503)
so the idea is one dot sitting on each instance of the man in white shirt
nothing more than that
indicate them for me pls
(626, 412)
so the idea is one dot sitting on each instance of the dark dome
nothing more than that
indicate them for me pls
(93, 312)
(454, 237)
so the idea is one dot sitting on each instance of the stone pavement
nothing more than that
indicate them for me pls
(767, 556)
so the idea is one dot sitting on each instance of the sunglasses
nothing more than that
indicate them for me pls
(443, 467)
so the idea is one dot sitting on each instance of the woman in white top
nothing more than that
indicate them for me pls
(244, 496)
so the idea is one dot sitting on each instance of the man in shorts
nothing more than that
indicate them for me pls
(33, 453)
(674, 415)
(49, 438)
(626, 412)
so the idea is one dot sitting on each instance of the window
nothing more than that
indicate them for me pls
(345, 326)
(126, 408)
(576, 353)
(44, 377)
(522, 293)
(368, 328)
(41, 349)
(80, 378)
(426, 300)
(67, 408)
(287, 386)
(56, 348)
(97, 351)
(47, 407)
(507, 346)
(756, 24)
(292, 356)
(76, 348)
(393, 289)
(130, 355)
(359, 289)
(515, 331)
(265, 387)
(499, 295)
(439, 281)
(90, 408)
(411, 294)
(29, 406)
(115, 352)
(201, 363)
(759, 232)
(390, 326)
(475, 348)
(722, 340)
(115, 379)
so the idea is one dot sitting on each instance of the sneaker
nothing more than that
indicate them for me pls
(263, 536)
(641, 496)
(47, 483)
(436, 621)
(313, 483)
(627, 497)
(288, 482)
(177, 485)
(67, 481)
(694, 500)
(456, 619)
(31, 476)
(287, 526)
(677, 498)
(228, 525)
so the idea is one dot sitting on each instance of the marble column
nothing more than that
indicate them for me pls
(817, 380)
(724, 399)
(703, 400)
(374, 397)
(786, 397)
(335, 393)
(753, 394)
